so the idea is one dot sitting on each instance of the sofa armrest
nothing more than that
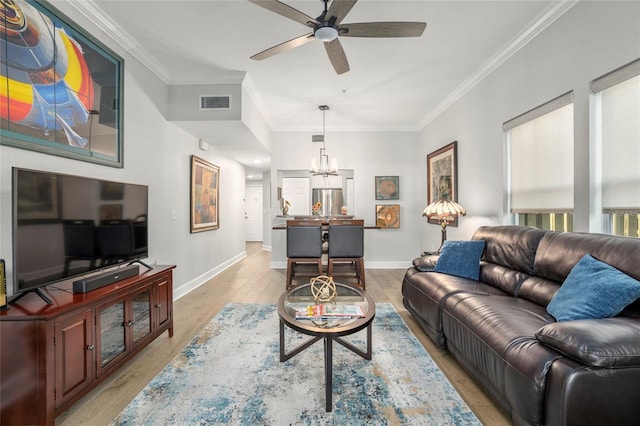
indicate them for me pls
(425, 263)
(609, 342)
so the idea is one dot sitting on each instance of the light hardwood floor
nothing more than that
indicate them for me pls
(251, 281)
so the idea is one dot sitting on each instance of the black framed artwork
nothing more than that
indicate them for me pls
(62, 89)
(442, 177)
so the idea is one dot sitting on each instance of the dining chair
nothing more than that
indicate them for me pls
(304, 248)
(346, 250)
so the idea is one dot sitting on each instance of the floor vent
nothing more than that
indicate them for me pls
(215, 102)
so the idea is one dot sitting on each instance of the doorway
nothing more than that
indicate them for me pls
(253, 213)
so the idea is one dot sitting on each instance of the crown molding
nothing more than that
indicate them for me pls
(217, 77)
(539, 24)
(93, 13)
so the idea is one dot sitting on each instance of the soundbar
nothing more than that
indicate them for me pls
(97, 281)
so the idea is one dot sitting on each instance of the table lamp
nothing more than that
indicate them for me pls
(444, 209)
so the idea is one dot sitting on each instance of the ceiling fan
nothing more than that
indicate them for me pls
(328, 28)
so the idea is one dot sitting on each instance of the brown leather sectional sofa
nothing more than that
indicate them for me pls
(539, 371)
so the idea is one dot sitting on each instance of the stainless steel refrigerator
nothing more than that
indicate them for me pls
(330, 200)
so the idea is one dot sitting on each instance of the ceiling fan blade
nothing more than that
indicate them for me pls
(337, 56)
(282, 47)
(383, 29)
(287, 11)
(339, 9)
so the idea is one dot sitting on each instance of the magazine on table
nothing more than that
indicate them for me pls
(329, 311)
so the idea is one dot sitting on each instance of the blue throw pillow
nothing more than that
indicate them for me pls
(593, 289)
(460, 258)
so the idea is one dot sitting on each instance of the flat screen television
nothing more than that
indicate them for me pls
(66, 226)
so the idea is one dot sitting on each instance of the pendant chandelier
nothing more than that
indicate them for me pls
(324, 167)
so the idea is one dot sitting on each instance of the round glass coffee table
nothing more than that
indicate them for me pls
(328, 329)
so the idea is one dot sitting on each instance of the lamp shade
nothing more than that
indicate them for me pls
(444, 209)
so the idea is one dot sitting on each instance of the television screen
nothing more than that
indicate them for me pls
(65, 226)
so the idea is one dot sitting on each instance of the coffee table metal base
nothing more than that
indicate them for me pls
(328, 356)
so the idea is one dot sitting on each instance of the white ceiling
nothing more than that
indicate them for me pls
(394, 84)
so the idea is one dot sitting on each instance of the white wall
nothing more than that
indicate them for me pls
(591, 39)
(156, 153)
(369, 154)
(266, 220)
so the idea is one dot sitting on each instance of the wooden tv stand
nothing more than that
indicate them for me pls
(52, 355)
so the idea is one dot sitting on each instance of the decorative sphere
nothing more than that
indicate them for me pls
(323, 289)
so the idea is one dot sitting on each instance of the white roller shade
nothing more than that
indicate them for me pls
(541, 159)
(621, 146)
(616, 76)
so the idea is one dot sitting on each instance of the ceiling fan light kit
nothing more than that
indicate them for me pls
(327, 29)
(326, 34)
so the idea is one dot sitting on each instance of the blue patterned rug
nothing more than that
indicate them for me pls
(231, 374)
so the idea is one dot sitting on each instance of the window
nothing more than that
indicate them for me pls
(540, 145)
(625, 224)
(618, 135)
(551, 221)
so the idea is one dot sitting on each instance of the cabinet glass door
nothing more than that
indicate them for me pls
(141, 307)
(112, 332)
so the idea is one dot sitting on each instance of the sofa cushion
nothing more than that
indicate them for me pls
(495, 336)
(538, 290)
(425, 263)
(593, 289)
(558, 253)
(460, 258)
(610, 342)
(513, 247)
(506, 279)
(423, 293)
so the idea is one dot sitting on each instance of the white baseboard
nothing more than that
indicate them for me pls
(198, 281)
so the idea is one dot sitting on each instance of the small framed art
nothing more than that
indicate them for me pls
(387, 187)
(388, 215)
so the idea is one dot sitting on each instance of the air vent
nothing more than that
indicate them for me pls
(215, 102)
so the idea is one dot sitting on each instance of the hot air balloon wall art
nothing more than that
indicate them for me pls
(60, 89)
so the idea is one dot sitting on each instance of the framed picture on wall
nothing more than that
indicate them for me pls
(442, 177)
(63, 93)
(205, 180)
(387, 187)
(388, 215)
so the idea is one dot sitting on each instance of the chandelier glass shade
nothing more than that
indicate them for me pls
(323, 166)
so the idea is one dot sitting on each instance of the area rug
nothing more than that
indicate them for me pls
(230, 373)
